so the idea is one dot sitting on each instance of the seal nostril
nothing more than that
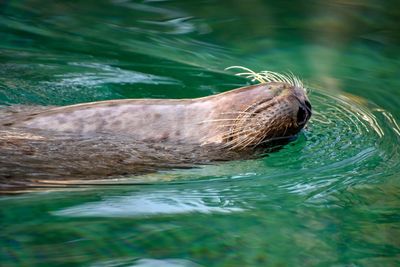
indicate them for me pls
(301, 116)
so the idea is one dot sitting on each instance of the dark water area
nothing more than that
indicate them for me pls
(329, 198)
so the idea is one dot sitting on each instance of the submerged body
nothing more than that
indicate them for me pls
(119, 137)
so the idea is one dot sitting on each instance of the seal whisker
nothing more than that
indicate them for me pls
(276, 139)
(285, 130)
(250, 73)
(225, 125)
(260, 140)
(274, 76)
(234, 146)
(241, 133)
(251, 140)
(235, 112)
(234, 132)
(269, 76)
(237, 133)
(297, 81)
(244, 142)
(216, 120)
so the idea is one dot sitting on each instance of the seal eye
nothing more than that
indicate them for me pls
(302, 116)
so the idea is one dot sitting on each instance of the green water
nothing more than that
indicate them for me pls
(330, 198)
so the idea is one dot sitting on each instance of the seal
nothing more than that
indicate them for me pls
(133, 136)
(237, 119)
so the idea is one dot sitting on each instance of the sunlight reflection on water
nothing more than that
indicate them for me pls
(152, 204)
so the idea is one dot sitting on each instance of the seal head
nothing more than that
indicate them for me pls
(280, 111)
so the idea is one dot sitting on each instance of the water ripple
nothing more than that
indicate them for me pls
(105, 74)
(347, 143)
(146, 263)
(154, 203)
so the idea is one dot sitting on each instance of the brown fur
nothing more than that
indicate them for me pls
(119, 137)
(257, 112)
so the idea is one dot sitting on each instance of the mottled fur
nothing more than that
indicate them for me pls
(119, 137)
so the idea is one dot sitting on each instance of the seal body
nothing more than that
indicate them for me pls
(52, 145)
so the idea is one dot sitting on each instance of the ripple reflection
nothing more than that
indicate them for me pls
(154, 203)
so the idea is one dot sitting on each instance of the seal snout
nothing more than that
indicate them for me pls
(304, 113)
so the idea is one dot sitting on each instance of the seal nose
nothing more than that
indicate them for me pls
(304, 113)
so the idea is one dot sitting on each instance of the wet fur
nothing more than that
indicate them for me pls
(238, 124)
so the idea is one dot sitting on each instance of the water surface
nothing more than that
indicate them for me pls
(330, 198)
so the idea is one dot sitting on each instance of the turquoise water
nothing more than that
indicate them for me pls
(330, 198)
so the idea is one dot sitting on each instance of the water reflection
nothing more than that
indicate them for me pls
(330, 198)
(105, 74)
(146, 263)
(153, 203)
